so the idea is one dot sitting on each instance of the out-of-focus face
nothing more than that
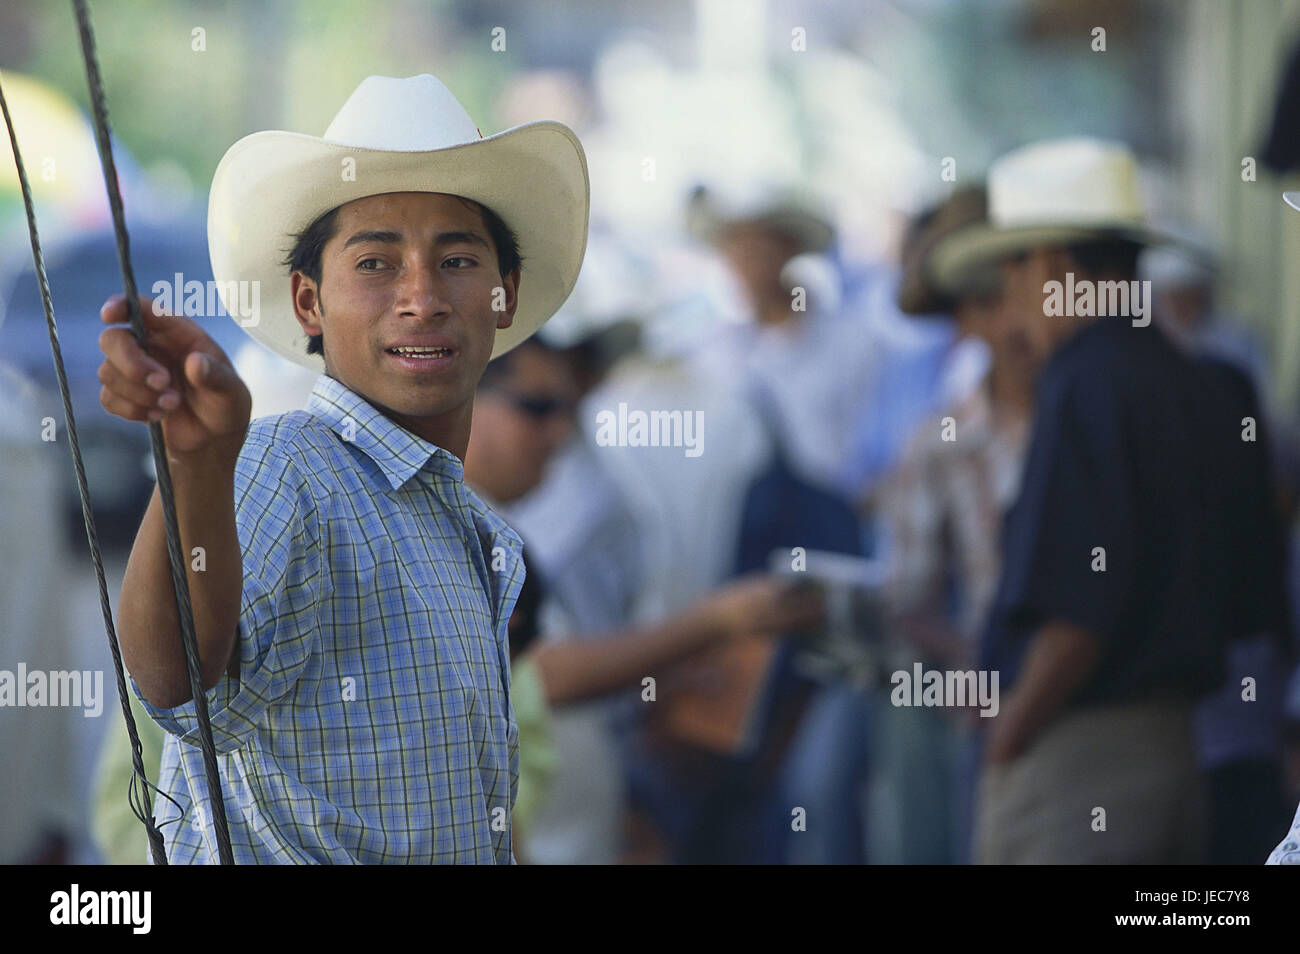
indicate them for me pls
(1028, 328)
(992, 318)
(520, 421)
(414, 271)
(756, 254)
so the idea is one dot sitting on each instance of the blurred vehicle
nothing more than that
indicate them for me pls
(83, 272)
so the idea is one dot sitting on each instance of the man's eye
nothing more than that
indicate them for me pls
(465, 262)
(377, 262)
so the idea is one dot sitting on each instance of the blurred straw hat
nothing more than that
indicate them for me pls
(919, 292)
(1052, 193)
(786, 207)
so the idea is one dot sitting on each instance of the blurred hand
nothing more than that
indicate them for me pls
(185, 380)
(1008, 736)
(762, 602)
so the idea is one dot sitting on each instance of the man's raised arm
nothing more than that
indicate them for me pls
(187, 383)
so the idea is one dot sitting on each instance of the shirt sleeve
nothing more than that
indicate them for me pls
(1070, 547)
(279, 538)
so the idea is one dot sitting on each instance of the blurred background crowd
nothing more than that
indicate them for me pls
(770, 179)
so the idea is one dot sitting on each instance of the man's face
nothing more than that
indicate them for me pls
(757, 253)
(1026, 322)
(520, 420)
(992, 318)
(409, 270)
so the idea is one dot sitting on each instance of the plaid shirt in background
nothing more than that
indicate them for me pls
(944, 506)
(372, 719)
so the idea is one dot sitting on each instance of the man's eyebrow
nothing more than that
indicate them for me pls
(455, 238)
(394, 238)
(387, 238)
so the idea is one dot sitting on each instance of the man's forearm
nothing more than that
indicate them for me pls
(149, 624)
(576, 670)
(1061, 656)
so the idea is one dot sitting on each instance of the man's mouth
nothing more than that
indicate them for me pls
(424, 353)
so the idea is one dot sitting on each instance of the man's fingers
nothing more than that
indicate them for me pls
(135, 391)
(120, 406)
(125, 354)
(114, 311)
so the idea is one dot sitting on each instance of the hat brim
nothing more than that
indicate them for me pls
(271, 185)
(708, 221)
(967, 250)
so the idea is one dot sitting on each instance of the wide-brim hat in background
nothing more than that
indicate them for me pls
(401, 135)
(1057, 192)
(714, 206)
(920, 292)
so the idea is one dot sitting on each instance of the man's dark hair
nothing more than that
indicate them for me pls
(309, 245)
(1108, 255)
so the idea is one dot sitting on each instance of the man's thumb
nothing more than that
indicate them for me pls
(206, 371)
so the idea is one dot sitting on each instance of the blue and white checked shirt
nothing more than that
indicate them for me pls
(372, 720)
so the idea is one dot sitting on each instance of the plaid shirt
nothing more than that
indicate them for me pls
(372, 720)
(945, 504)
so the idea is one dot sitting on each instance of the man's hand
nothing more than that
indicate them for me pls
(185, 380)
(762, 602)
(1008, 736)
(1060, 658)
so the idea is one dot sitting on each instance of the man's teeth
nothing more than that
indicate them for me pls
(421, 352)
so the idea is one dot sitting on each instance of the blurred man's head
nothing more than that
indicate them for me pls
(756, 253)
(523, 413)
(1025, 278)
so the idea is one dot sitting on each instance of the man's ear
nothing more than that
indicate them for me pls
(305, 295)
(505, 299)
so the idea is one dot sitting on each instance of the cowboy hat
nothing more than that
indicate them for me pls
(1057, 192)
(918, 292)
(711, 208)
(396, 135)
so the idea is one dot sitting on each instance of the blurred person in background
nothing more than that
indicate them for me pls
(37, 742)
(809, 360)
(944, 505)
(1239, 737)
(803, 365)
(575, 813)
(1140, 543)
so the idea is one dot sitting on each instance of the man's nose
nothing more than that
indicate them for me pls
(420, 290)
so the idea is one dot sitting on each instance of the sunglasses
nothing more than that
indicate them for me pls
(536, 405)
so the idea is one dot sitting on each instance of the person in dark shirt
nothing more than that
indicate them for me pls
(1141, 542)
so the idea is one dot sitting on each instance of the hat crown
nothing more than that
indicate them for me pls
(415, 114)
(1081, 182)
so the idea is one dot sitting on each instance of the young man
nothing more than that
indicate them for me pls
(1141, 542)
(351, 595)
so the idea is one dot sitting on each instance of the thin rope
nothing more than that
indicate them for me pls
(179, 580)
(138, 797)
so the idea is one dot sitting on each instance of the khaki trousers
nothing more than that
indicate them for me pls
(1135, 762)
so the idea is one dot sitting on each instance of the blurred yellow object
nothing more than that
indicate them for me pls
(57, 143)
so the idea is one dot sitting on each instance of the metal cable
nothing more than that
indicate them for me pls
(179, 579)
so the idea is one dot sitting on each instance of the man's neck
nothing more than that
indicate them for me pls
(450, 430)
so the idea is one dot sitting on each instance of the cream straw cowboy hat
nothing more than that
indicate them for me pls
(396, 135)
(1050, 193)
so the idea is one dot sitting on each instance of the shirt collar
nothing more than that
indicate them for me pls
(397, 452)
